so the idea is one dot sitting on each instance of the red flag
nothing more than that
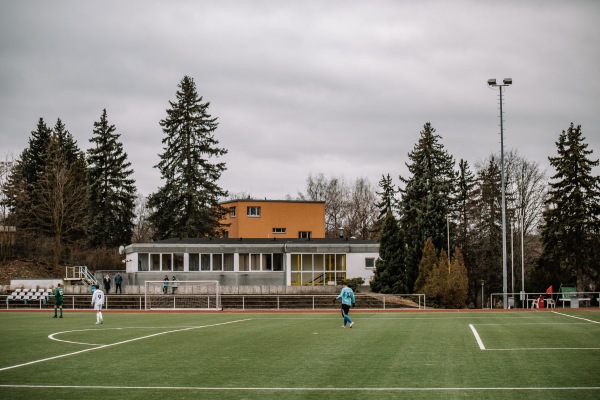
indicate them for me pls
(549, 290)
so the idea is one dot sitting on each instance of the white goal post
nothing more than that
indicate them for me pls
(178, 295)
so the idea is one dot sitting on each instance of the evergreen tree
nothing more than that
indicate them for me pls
(464, 215)
(487, 228)
(427, 198)
(25, 175)
(188, 204)
(59, 199)
(428, 262)
(458, 282)
(435, 288)
(572, 219)
(389, 274)
(389, 202)
(111, 188)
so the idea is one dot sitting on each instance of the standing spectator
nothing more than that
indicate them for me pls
(166, 284)
(98, 302)
(118, 281)
(347, 296)
(174, 285)
(58, 299)
(106, 281)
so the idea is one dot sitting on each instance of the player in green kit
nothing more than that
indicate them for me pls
(58, 299)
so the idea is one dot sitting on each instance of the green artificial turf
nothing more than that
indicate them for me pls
(422, 355)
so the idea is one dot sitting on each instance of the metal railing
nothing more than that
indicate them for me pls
(231, 302)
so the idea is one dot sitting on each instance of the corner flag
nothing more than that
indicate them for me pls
(549, 290)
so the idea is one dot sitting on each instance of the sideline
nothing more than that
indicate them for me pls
(118, 343)
(311, 389)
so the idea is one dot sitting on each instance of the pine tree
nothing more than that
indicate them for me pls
(428, 262)
(60, 199)
(389, 274)
(435, 288)
(572, 219)
(389, 202)
(464, 215)
(188, 204)
(458, 282)
(487, 228)
(111, 188)
(25, 176)
(427, 198)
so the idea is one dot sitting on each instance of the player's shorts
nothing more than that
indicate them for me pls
(58, 302)
(98, 306)
(345, 309)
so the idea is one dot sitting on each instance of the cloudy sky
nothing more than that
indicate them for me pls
(339, 87)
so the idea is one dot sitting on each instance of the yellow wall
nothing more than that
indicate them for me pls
(294, 216)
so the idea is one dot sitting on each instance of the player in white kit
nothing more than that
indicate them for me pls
(98, 302)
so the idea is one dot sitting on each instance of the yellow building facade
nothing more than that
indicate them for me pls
(248, 218)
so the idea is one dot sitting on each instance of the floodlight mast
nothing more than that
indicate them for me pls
(492, 83)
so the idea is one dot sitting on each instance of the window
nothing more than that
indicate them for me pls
(304, 235)
(178, 262)
(232, 212)
(253, 211)
(227, 262)
(369, 263)
(278, 230)
(167, 262)
(194, 263)
(143, 262)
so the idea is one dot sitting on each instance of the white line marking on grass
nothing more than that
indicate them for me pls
(308, 389)
(122, 342)
(479, 342)
(572, 316)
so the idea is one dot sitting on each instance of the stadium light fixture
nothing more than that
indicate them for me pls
(492, 83)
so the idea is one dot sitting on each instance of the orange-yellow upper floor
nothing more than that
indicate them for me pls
(274, 219)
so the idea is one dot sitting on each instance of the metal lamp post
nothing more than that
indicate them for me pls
(492, 83)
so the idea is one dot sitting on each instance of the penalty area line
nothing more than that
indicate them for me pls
(118, 343)
(479, 342)
(308, 389)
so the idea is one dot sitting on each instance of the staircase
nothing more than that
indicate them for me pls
(80, 274)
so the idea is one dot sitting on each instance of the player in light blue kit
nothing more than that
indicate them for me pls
(347, 296)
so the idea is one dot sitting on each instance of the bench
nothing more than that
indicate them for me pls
(569, 293)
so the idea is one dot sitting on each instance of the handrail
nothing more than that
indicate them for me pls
(233, 301)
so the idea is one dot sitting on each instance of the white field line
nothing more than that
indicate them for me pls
(572, 316)
(479, 342)
(310, 389)
(118, 343)
(482, 347)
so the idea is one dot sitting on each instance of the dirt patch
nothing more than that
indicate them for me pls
(26, 269)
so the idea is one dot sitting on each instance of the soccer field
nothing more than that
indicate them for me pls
(222, 355)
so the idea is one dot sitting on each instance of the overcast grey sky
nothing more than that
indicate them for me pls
(341, 87)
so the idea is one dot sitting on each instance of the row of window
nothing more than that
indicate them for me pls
(320, 263)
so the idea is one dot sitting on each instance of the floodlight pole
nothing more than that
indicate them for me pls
(492, 83)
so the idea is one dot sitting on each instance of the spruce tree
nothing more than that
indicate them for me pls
(59, 199)
(486, 249)
(188, 203)
(458, 282)
(428, 262)
(464, 219)
(111, 188)
(389, 274)
(427, 198)
(389, 202)
(25, 176)
(437, 283)
(572, 219)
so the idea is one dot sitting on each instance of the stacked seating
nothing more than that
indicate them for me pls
(26, 295)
